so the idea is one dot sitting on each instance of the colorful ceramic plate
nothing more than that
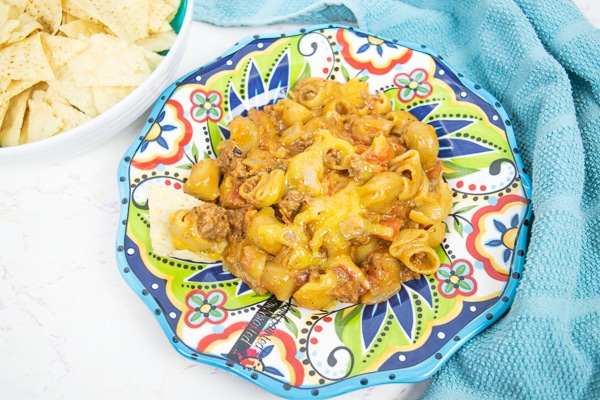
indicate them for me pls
(212, 317)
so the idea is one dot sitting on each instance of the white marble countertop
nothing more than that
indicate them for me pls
(70, 327)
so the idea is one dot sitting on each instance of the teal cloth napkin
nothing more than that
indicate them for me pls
(541, 59)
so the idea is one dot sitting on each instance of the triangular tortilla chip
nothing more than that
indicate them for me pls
(76, 29)
(47, 12)
(117, 15)
(107, 96)
(19, 26)
(159, 12)
(162, 202)
(45, 92)
(71, 7)
(40, 123)
(70, 116)
(6, 30)
(60, 49)
(4, 83)
(159, 41)
(173, 3)
(152, 59)
(110, 61)
(3, 110)
(80, 97)
(13, 120)
(13, 88)
(26, 60)
(4, 18)
(18, 4)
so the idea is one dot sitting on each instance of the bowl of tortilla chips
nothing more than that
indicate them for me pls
(75, 73)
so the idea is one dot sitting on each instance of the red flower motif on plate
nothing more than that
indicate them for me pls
(165, 142)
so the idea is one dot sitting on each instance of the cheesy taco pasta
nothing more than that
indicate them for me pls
(327, 196)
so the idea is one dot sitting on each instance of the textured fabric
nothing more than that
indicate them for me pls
(541, 60)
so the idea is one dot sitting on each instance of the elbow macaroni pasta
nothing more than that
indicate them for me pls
(331, 196)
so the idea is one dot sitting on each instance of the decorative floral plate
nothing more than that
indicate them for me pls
(212, 317)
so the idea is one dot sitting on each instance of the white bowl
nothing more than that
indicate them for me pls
(114, 120)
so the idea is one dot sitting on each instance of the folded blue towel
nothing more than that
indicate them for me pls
(541, 59)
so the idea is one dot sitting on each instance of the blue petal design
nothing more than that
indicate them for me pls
(266, 351)
(514, 221)
(454, 147)
(379, 51)
(255, 82)
(225, 133)
(500, 226)
(421, 286)
(280, 79)
(234, 99)
(273, 371)
(446, 126)
(507, 254)
(372, 319)
(363, 48)
(212, 273)
(144, 146)
(168, 127)
(162, 142)
(495, 242)
(161, 116)
(403, 310)
(243, 288)
(422, 111)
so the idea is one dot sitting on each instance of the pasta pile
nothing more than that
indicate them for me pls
(328, 196)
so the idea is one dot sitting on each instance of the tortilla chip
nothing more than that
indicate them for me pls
(80, 97)
(118, 16)
(4, 17)
(70, 116)
(72, 8)
(20, 26)
(152, 58)
(173, 3)
(26, 60)
(40, 123)
(14, 88)
(13, 120)
(47, 12)
(159, 12)
(19, 4)
(159, 41)
(107, 96)
(61, 108)
(80, 27)
(7, 27)
(42, 91)
(3, 110)
(109, 61)
(162, 202)
(61, 49)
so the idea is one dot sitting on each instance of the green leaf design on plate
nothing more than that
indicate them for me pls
(291, 326)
